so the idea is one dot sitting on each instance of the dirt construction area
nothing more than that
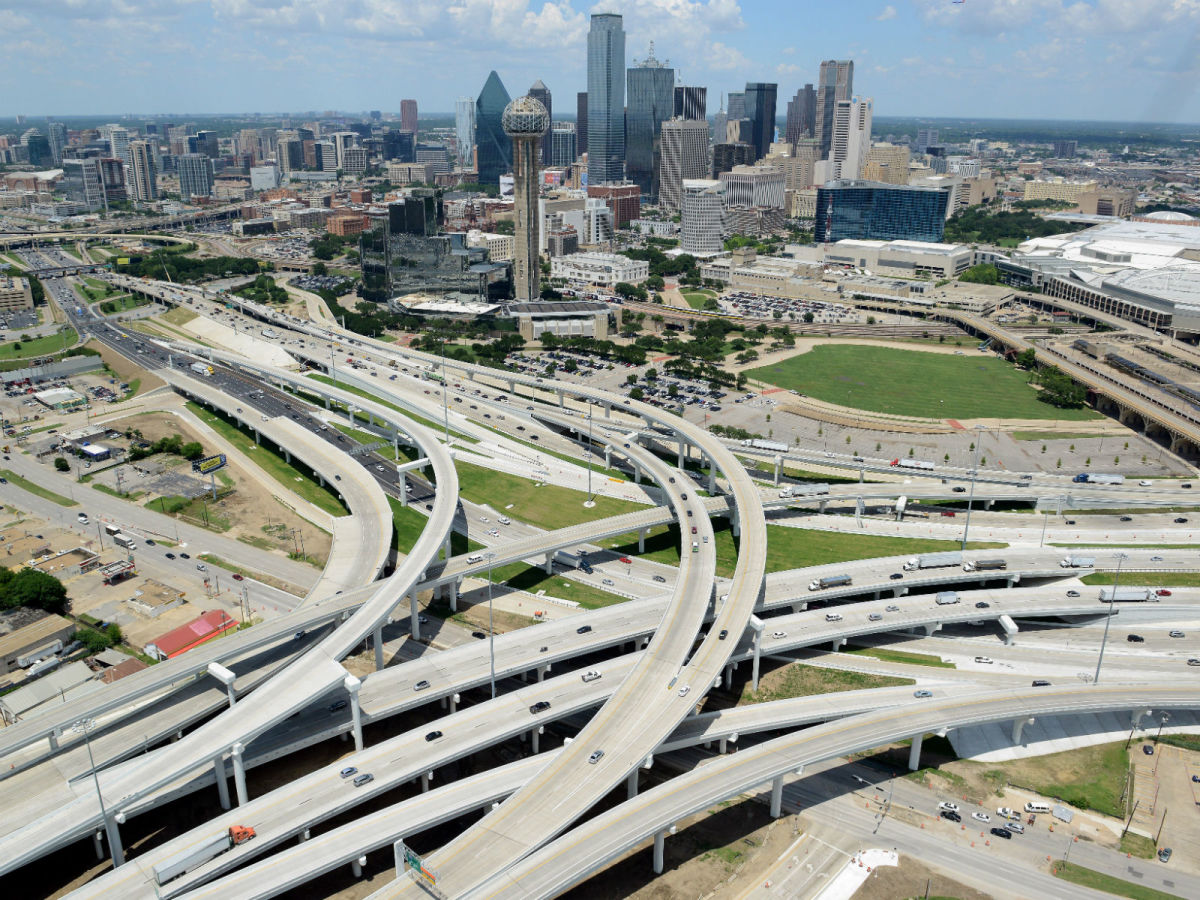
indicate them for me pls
(245, 510)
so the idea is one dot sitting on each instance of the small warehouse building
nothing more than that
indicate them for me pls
(60, 399)
(95, 452)
(28, 635)
(51, 690)
(204, 628)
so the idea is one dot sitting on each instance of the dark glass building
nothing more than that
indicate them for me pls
(606, 99)
(399, 145)
(760, 110)
(541, 94)
(493, 147)
(868, 210)
(651, 89)
(801, 115)
(691, 102)
(581, 136)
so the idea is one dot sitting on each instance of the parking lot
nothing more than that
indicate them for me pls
(748, 303)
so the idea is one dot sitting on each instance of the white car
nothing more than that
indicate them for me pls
(1143, 483)
(948, 806)
(984, 660)
(683, 691)
(779, 634)
(1006, 812)
(483, 518)
(981, 817)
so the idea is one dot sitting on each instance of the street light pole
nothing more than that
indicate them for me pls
(589, 451)
(491, 628)
(971, 496)
(84, 726)
(1112, 601)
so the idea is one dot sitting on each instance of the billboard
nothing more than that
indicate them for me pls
(209, 464)
(122, 260)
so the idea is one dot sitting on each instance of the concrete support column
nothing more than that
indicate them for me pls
(914, 754)
(356, 866)
(631, 785)
(453, 702)
(560, 399)
(286, 455)
(533, 738)
(659, 841)
(642, 532)
(257, 438)
(377, 641)
(637, 472)
(735, 525)
(447, 548)
(778, 469)
(222, 779)
(303, 836)
(1018, 727)
(53, 741)
(453, 587)
(712, 476)
(112, 827)
(352, 686)
(414, 626)
(549, 564)
(837, 644)
(679, 456)
(239, 773)
(402, 482)
(722, 745)
(426, 777)
(98, 844)
(607, 456)
(541, 673)
(608, 410)
(821, 505)
(776, 796)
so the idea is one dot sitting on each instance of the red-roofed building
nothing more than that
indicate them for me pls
(208, 626)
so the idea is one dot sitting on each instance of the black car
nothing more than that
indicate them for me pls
(1181, 521)
(724, 634)
(184, 556)
(951, 816)
(478, 635)
(433, 735)
(982, 604)
(1126, 518)
(170, 556)
(1165, 853)
(151, 543)
(583, 629)
(1002, 833)
(1148, 749)
(896, 576)
(586, 567)
(1135, 639)
(540, 706)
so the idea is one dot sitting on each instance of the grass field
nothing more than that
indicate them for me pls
(1166, 579)
(799, 680)
(788, 548)
(911, 383)
(177, 315)
(290, 475)
(1053, 435)
(902, 656)
(42, 492)
(547, 506)
(697, 299)
(1087, 778)
(39, 346)
(1107, 883)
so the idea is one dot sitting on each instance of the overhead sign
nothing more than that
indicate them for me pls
(411, 861)
(209, 464)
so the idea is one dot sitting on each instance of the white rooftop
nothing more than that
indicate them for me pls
(1137, 245)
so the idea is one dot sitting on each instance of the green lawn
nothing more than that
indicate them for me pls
(1054, 435)
(799, 680)
(39, 346)
(1167, 579)
(295, 476)
(178, 315)
(788, 548)
(697, 299)
(121, 304)
(1087, 778)
(351, 389)
(912, 383)
(199, 511)
(33, 488)
(1107, 883)
(902, 656)
(548, 506)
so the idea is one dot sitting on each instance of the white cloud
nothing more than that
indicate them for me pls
(784, 69)
(724, 58)
(889, 12)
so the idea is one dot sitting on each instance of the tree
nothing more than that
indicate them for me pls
(33, 588)
(191, 450)
(320, 269)
(570, 366)
(808, 318)
(651, 374)
(636, 393)
(94, 641)
(984, 273)
(1060, 390)
(631, 379)
(1027, 359)
(61, 465)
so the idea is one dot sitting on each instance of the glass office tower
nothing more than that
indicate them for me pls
(871, 211)
(651, 102)
(760, 110)
(492, 146)
(606, 100)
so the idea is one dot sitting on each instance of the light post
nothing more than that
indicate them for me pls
(446, 404)
(84, 726)
(1162, 720)
(974, 475)
(589, 502)
(491, 629)
(1112, 601)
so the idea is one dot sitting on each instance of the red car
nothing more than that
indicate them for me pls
(237, 576)
(626, 560)
(1162, 592)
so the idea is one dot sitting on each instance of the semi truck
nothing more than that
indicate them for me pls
(923, 465)
(1128, 595)
(124, 540)
(1079, 562)
(1096, 478)
(830, 581)
(804, 490)
(197, 855)
(759, 444)
(984, 565)
(934, 561)
(269, 334)
(201, 368)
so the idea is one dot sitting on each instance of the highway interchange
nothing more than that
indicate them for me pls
(681, 642)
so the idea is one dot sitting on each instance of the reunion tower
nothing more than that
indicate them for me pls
(525, 120)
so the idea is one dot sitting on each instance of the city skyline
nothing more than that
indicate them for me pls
(1020, 59)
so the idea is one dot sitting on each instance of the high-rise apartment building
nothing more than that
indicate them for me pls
(691, 102)
(401, 145)
(82, 182)
(760, 110)
(729, 154)
(408, 116)
(541, 94)
(851, 137)
(342, 140)
(195, 176)
(493, 149)
(143, 182)
(289, 153)
(112, 176)
(56, 134)
(118, 142)
(865, 210)
(581, 129)
(801, 115)
(684, 156)
(835, 82)
(753, 186)
(464, 131)
(563, 144)
(701, 217)
(624, 200)
(606, 99)
(651, 99)
(1062, 149)
(208, 144)
(926, 138)
(354, 160)
(325, 156)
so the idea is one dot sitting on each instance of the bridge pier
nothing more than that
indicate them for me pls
(53, 741)
(931, 628)
(257, 438)
(426, 777)
(112, 826)
(286, 455)
(1010, 630)
(803, 607)
(608, 410)
(778, 469)
(821, 506)
(608, 456)
(642, 532)
(356, 866)
(453, 587)
(837, 644)
(98, 844)
(533, 739)
(659, 841)
(239, 773)
(541, 672)
(414, 620)
(1018, 727)
(222, 779)
(712, 475)
(637, 472)
(776, 796)
(352, 686)
(377, 642)
(631, 785)
(549, 564)
(679, 454)
(560, 399)
(914, 754)
(735, 525)
(402, 483)
(452, 702)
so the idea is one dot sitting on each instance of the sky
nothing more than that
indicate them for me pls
(1118, 60)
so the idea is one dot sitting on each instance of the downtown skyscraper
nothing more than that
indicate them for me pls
(464, 130)
(651, 102)
(760, 110)
(493, 147)
(606, 99)
(541, 94)
(835, 82)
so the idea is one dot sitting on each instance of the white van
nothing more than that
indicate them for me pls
(475, 557)
(1043, 808)
(833, 617)
(504, 520)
